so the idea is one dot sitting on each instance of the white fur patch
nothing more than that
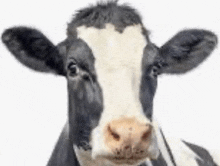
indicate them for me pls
(118, 59)
(162, 145)
(183, 155)
(148, 163)
(85, 158)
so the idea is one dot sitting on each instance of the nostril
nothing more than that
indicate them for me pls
(146, 134)
(113, 134)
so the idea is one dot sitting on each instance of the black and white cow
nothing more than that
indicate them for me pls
(111, 67)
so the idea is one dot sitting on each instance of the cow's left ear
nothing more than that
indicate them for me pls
(34, 50)
(186, 50)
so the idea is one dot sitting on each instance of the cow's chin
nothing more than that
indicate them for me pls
(85, 158)
(132, 161)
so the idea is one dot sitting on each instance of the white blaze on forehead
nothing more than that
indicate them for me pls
(118, 66)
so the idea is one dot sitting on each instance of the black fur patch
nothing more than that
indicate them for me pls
(207, 160)
(63, 151)
(33, 49)
(187, 50)
(97, 16)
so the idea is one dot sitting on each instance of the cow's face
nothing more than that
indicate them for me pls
(111, 68)
(111, 87)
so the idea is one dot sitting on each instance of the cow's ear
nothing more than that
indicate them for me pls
(186, 50)
(34, 50)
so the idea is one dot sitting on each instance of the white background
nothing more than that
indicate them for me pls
(33, 106)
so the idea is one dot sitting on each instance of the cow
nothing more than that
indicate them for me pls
(111, 67)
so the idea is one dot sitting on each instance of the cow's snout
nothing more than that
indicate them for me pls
(128, 138)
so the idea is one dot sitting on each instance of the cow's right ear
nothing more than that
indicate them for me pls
(34, 50)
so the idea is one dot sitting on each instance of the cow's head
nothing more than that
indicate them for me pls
(111, 67)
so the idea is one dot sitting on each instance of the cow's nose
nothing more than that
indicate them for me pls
(128, 138)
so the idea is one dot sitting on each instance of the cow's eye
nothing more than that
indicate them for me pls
(73, 68)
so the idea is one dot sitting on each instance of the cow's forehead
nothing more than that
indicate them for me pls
(113, 48)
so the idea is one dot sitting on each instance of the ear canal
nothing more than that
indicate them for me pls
(187, 50)
(33, 49)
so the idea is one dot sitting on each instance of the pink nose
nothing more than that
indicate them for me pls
(127, 138)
